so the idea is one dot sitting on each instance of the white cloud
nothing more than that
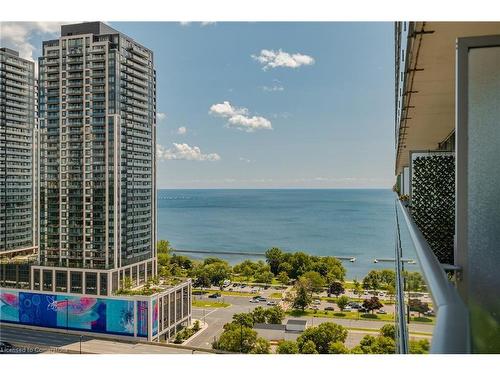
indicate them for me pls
(249, 124)
(245, 160)
(225, 109)
(182, 130)
(275, 87)
(161, 116)
(275, 59)
(183, 151)
(239, 117)
(17, 35)
(208, 23)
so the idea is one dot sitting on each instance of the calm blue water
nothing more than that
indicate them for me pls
(338, 222)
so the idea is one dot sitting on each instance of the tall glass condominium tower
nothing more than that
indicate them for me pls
(17, 142)
(97, 108)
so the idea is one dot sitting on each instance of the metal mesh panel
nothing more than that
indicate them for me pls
(433, 202)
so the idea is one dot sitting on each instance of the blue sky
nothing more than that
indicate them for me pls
(325, 123)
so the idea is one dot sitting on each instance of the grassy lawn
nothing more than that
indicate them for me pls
(276, 295)
(226, 292)
(214, 304)
(354, 315)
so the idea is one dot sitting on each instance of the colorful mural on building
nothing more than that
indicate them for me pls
(155, 317)
(103, 315)
(142, 318)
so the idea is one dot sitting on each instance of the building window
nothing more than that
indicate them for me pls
(104, 284)
(178, 305)
(150, 270)
(134, 275)
(61, 281)
(36, 279)
(172, 308)
(142, 273)
(185, 302)
(91, 283)
(76, 282)
(24, 276)
(47, 280)
(114, 281)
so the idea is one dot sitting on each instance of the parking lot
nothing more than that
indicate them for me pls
(217, 317)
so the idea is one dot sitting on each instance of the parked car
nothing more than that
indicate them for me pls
(243, 285)
(215, 295)
(430, 313)
(254, 301)
(256, 297)
(354, 305)
(316, 302)
(363, 310)
(271, 303)
(5, 346)
(347, 308)
(383, 312)
(329, 308)
(262, 299)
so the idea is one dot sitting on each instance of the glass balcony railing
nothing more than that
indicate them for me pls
(427, 303)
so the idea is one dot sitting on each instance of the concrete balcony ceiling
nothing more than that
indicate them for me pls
(430, 93)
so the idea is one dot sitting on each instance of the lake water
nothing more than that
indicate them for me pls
(336, 222)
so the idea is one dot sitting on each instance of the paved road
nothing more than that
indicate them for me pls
(53, 342)
(217, 317)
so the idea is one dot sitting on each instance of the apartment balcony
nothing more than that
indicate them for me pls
(451, 332)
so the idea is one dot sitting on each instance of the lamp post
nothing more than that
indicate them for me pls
(81, 344)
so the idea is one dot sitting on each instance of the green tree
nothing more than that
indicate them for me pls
(163, 247)
(336, 288)
(358, 289)
(316, 280)
(308, 348)
(287, 347)
(275, 315)
(322, 336)
(387, 277)
(372, 280)
(265, 277)
(283, 278)
(388, 330)
(418, 306)
(274, 257)
(414, 281)
(244, 319)
(127, 283)
(202, 278)
(419, 347)
(303, 295)
(262, 346)
(342, 302)
(259, 315)
(372, 303)
(301, 263)
(218, 272)
(329, 267)
(337, 348)
(196, 326)
(375, 345)
(286, 268)
(236, 339)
